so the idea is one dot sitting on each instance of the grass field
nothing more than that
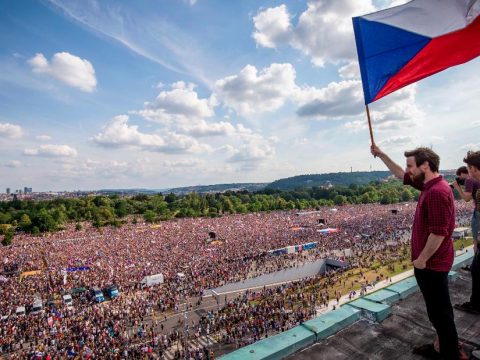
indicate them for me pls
(353, 279)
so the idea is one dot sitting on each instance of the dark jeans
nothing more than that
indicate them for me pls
(475, 269)
(434, 287)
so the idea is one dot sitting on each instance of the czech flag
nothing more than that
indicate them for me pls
(403, 44)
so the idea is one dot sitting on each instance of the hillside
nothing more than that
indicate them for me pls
(218, 188)
(341, 178)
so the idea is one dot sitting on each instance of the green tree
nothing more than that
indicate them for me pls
(44, 221)
(150, 216)
(78, 227)
(340, 200)
(7, 238)
(25, 222)
(122, 208)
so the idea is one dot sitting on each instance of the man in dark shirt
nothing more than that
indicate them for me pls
(469, 193)
(473, 306)
(431, 243)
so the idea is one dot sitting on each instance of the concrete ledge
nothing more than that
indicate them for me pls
(275, 347)
(405, 287)
(462, 260)
(328, 324)
(372, 311)
(452, 276)
(383, 296)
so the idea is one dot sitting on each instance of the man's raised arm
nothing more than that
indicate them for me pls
(394, 168)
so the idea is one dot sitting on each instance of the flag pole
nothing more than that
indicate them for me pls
(370, 125)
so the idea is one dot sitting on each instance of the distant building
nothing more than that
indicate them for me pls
(8, 191)
(27, 190)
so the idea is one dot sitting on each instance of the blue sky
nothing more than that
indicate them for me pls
(159, 94)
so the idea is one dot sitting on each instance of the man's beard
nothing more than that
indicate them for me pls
(420, 178)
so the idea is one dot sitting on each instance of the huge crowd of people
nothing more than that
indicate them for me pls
(194, 255)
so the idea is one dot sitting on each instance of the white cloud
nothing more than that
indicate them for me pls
(324, 31)
(181, 103)
(398, 142)
(117, 133)
(301, 141)
(222, 128)
(253, 152)
(273, 27)
(350, 71)
(471, 147)
(69, 69)
(13, 164)
(10, 131)
(43, 137)
(189, 163)
(110, 169)
(337, 100)
(475, 124)
(51, 151)
(397, 111)
(252, 92)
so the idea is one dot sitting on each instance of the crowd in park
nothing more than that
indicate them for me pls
(194, 255)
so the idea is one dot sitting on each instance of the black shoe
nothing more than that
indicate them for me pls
(468, 307)
(427, 351)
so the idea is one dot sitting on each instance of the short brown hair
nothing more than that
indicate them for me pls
(473, 158)
(423, 154)
(461, 170)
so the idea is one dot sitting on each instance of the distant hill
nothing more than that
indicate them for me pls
(347, 178)
(218, 188)
(130, 191)
(340, 178)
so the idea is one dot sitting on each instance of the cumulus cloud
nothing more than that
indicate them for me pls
(43, 137)
(119, 134)
(222, 128)
(254, 92)
(471, 147)
(350, 71)
(111, 169)
(397, 111)
(253, 152)
(10, 131)
(67, 68)
(272, 27)
(323, 32)
(337, 100)
(398, 141)
(188, 163)
(51, 151)
(181, 103)
(475, 124)
(13, 164)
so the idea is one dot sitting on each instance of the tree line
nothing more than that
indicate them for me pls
(38, 217)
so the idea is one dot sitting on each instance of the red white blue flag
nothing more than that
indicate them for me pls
(403, 44)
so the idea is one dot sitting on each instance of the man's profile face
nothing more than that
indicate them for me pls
(415, 172)
(474, 172)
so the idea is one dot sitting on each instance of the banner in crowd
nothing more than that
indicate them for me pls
(78, 268)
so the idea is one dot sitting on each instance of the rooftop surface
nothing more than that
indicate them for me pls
(394, 337)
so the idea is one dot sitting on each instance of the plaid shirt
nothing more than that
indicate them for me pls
(435, 214)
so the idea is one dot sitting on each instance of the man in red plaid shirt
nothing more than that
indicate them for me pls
(432, 246)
